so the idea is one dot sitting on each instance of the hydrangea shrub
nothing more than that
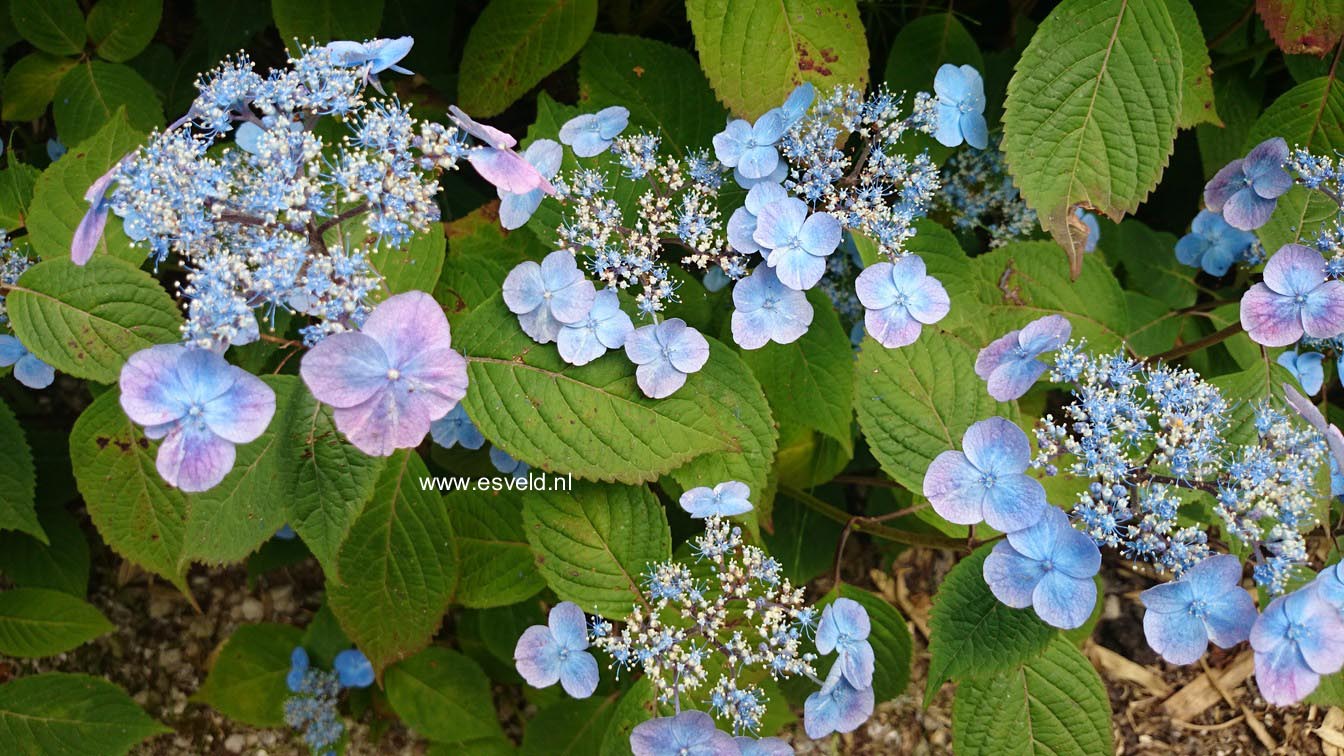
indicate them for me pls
(593, 372)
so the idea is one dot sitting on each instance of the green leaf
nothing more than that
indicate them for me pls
(58, 714)
(915, 402)
(323, 639)
(1149, 260)
(1023, 281)
(398, 566)
(636, 705)
(1303, 26)
(1052, 704)
(1330, 692)
(925, 44)
(58, 200)
(54, 26)
(325, 480)
(1153, 325)
(479, 259)
(593, 543)
(247, 680)
(1238, 97)
(661, 85)
(91, 93)
(38, 622)
(808, 381)
(893, 648)
(1197, 103)
(17, 183)
(972, 634)
(121, 29)
(495, 562)
(755, 52)
(322, 21)
(514, 44)
(569, 727)
(444, 696)
(592, 421)
(18, 479)
(61, 566)
(1092, 110)
(87, 321)
(31, 83)
(803, 541)
(415, 267)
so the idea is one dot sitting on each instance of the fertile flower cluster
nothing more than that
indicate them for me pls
(703, 637)
(312, 707)
(814, 170)
(978, 193)
(28, 369)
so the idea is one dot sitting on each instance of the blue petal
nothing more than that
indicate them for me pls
(34, 373)
(1064, 602)
(1178, 637)
(353, 669)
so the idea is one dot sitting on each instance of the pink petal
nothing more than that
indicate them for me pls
(346, 369)
(194, 459)
(406, 325)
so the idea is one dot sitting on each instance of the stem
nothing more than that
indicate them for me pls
(330, 223)
(862, 524)
(1195, 346)
(861, 519)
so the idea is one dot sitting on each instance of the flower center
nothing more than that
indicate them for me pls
(393, 374)
(1296, 632)
(769, 303)
(1047, 565)
(964, 106)
(988, 480)
(1198, 608)
(902, 300)
(196, 410)
(1300, 300)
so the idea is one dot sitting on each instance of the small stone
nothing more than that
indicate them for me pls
(235, 743)
(252, 609)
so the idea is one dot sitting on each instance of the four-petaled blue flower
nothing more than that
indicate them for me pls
(961, 107)
(392, 378)
(353, 669)
(1010, 365)
(516, 209)
(28, 369)
(507, 464)
(547, 296)
(837, 707)
(605, 327)
(1306, 368)
(1330, 585)
(1212, 244)
(1206, 604)
(899, 299)
(1295, 298)
(1246, 190)
(750, 148)
(1298, 638)
(456, 428)
(987, 481)
(666, 353)
(690, 733)
(199, 405)
(374, 56)
(799, 243)
(1089, 221)
(592, 133)
(1049, 567)
(844, 628)
(298, 668)
(742, 223)
(556, 652)
(724, 500)
(766, 310)
(496, 161)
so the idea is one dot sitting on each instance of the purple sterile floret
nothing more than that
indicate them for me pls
(1246, 190)
(837, 707)
(1298, 638)
(1049, 567)
(844, 628)
(899, 299)
(724, 500)
(766, 310)
(1206, 604)
(986, 482)
(690, 733)
(666, 353)
(547, 295)
(1294, 299)
(495, 159)
(515, 209)
(557, 652)
(1010, 365)
(798, 242)
(389, 381)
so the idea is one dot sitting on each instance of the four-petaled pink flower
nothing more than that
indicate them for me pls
(1295, 298)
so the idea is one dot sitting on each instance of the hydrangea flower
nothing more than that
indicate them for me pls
(507, 464)
(1298, 638)
(1206, 604)
(1306, 368)
(961, 107)
(1295, 298)
(1049, 567)
(796, 104)
(837, 707)
(285, 533)
(391, 379)
(1330, 585)
(592, 133)
(766, 310)
(28, 369)
(1334, 439)
(548, 295)
(899, 299)
(557, 652)
(515, 209)
(742, 223)
(374, 56)
(90, 228)
(1089, 220)
(987, 481)
(199, 405)
(1246, 190)
(496, 161)
(456, 428)
(763, 747)
(666, 353)
(353, 669)
(605, 327)
(690, 733)
(1212, 244)
(724, 500)
(298, 668)
(844, 628)
(751, 147)
(799, 243)
(1010, 365)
